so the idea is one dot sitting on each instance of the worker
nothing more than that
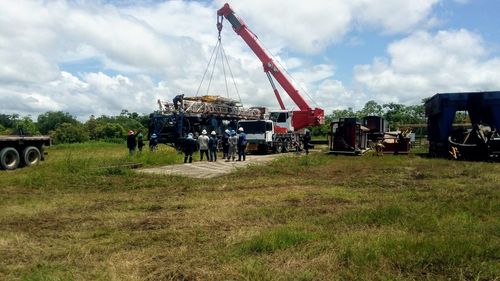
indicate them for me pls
(203, 144)
(131, 142)
(242, 144)
(233, 143)
(178, 102)
(189, 148)
(400, 143)
(153, 142)
(140, 141)
(212, 146)
(225, 144)
(307, 141)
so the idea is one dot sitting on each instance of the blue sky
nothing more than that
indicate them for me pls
(98, 57)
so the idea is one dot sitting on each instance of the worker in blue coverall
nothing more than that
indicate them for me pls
(189, 148)
(242, 144)
(212, 146)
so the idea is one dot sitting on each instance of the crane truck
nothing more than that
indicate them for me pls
(282, 128)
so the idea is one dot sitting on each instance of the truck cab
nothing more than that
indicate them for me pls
(259, 134)
(282, 120)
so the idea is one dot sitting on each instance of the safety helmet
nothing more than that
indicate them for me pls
(213, 133)
(227, 131)
(153, 135)
(130, 132)
(233, 133)
(204, 132)
(240, 129)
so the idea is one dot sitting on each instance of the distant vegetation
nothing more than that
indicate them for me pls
(65, 128)
(397, 115)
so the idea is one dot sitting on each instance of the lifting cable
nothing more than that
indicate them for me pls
(231, 72)
(218, 51)
(206, 69)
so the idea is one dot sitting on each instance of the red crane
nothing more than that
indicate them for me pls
(306, 116)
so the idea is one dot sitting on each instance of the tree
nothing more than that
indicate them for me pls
(110, 131)
(26, 126)
(7, 121)
(69, 133)
(52, 119)
(371, 108)
(343, 113)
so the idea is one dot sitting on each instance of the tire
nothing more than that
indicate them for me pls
(9, 158)
(300, 147)
(31, 156)
(278, 148)
(286, 147)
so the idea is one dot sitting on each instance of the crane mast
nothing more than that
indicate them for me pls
(306, 116)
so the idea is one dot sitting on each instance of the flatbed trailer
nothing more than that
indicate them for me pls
(18, 151)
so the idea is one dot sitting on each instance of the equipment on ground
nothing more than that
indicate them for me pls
(348, 136)
(287, 126)
(480, 142)
(355, 137)
(19, 150)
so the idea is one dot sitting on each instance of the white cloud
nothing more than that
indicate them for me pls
(424, 63)
(148, 50)
(312, 26)
(393, 16)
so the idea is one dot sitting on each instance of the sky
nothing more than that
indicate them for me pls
(99, 57)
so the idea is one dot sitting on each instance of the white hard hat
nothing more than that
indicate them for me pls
(204, 132)
(213, 133)
(240, 129)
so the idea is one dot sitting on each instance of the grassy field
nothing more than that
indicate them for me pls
(300, 218)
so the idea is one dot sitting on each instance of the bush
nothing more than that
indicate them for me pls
(69, 133)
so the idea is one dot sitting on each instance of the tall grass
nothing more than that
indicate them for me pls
(81, 216)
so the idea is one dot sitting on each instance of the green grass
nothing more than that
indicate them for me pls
(81, 216)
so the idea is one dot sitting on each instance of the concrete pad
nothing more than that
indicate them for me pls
(207, 169)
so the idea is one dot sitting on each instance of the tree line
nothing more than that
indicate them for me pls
(395, 114)
(65, 128)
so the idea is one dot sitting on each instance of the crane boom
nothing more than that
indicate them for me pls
(306, 116)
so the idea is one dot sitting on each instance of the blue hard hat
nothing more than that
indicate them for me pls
(233, 132)
(153, 135)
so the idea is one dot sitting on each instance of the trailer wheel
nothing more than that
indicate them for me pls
(31, 156)
(9, 158)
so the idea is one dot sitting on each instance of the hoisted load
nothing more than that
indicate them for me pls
(192, 114)
(211, 106)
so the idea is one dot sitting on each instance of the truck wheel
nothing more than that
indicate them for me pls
(31, 156)
(278, 148)
(286, 147)
(300, 147)
(9, 158)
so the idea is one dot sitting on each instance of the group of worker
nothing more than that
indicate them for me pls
(136, 141)
(230, 141)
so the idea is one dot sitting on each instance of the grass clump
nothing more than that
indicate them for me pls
(278, 239)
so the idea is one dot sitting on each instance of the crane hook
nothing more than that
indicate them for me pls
(219, 24)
